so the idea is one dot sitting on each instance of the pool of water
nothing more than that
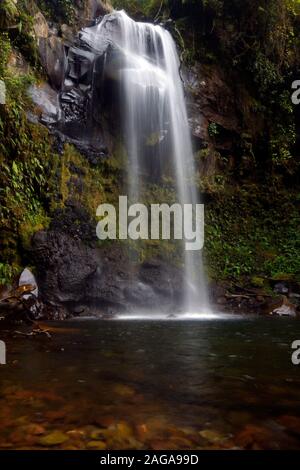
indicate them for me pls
(225, 382)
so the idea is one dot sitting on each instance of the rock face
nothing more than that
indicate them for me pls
(83, 71)
(80, 279)
(210, 100)
(88, 10)
(52, 54)
(51, 50)
(64, 266)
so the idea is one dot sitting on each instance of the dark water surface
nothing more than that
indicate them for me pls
(152, 384)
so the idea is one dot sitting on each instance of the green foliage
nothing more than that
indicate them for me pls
(261, 238)
(16, 19)
(266, 73)
(258, 42)
(5, 48)
(26, 167)
(61, 11)
(213, 129)
(8, 13)
(147, 8)
(7, 273)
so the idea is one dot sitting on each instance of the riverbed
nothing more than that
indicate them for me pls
(223, 382)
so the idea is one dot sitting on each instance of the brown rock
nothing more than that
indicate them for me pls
(253, 437)
(292, 423)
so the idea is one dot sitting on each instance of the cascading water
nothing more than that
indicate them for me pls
(154, 109)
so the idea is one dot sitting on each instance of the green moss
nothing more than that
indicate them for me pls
(34, 222)
(89, 185)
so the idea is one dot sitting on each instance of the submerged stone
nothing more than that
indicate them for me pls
(53, 439)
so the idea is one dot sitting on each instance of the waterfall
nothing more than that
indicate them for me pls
(154, 109)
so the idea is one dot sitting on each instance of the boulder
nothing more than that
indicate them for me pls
(88, 10)
(70, 274)
(283, 308)
(40, 26)
(52, 55)
(27, 278)
(46, 100)
(51, 49)
(63, 267)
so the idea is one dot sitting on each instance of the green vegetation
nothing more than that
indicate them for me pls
(137, 8)
(256, 41)
(58, 10)
(252, 218)
(17, 20)
(25, 168)
(253, 231)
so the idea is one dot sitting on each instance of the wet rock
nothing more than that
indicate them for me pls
(28, 279)
(20, 436)
(73, 105)
(40, 26)
(51, 50)
(67, 33)
(46, 100)
(88, 10)
(97, 445)
(181, 442)
(35, 429)
(254, 437)
(70, 274)
(97, 434)
(76, 434)
(120, 436)
(216, 290)
(124, 390)
(52, 54)
(210, 99)
(140, 294)
(283, 308)
(291, 423)
(165, 280)
(21, 303)
(212, 436)
(17, 64)
(160, 444)
(64, 266)
(281, 288)
(53, 439)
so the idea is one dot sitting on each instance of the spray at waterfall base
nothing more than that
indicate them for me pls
(179, 222)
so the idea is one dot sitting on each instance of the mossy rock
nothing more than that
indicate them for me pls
(257, 281)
